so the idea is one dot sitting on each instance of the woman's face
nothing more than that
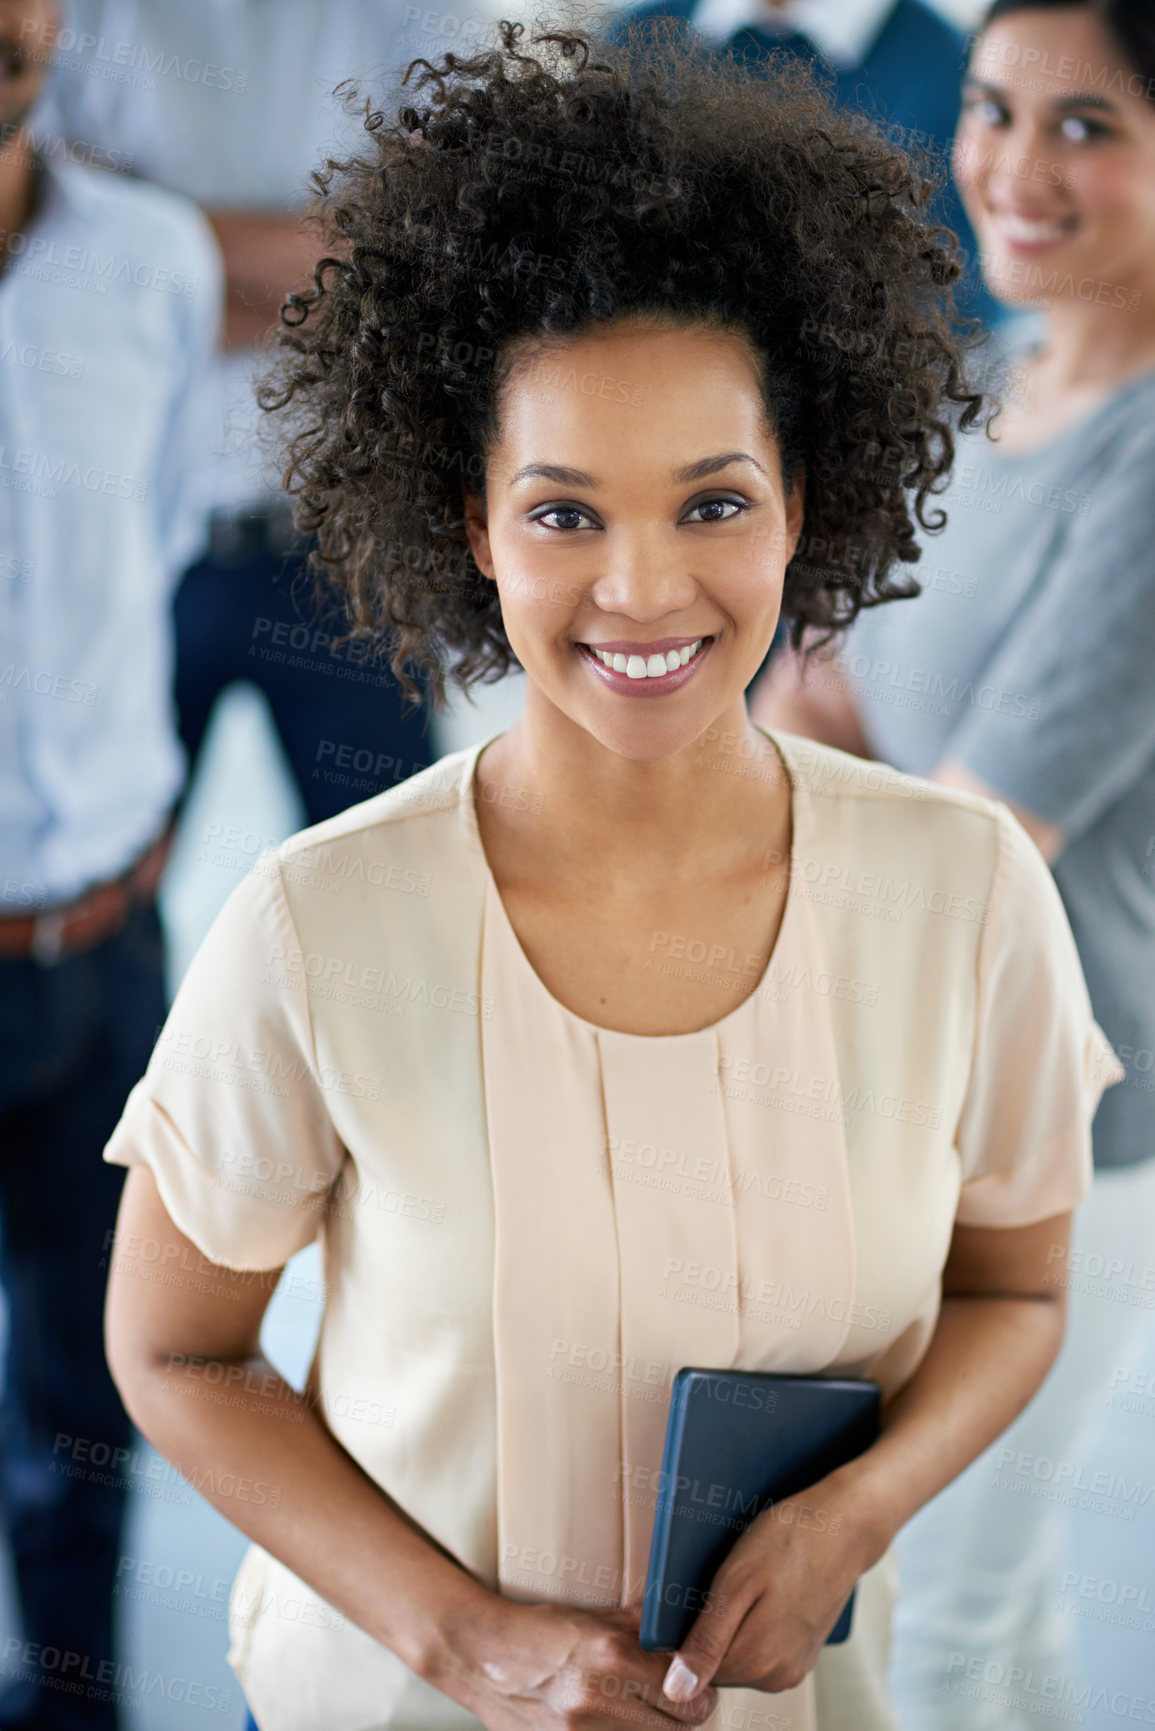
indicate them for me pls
(1055, 159)
(638, 530)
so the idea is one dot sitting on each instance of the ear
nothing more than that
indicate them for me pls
(795, 513)
(477, 530)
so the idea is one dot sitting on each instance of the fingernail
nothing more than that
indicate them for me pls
(681, 1683)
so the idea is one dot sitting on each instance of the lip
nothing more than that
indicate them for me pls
(664, 687)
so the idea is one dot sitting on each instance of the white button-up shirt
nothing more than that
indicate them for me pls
(842, 30)
(109, 308)
(231, 103)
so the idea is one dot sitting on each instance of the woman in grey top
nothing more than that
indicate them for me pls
(1026, 671)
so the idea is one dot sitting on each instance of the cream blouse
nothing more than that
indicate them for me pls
(530, 1223)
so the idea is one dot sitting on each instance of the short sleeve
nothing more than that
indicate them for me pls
(1084, 645)
(1040, 1061)
(231, 1115)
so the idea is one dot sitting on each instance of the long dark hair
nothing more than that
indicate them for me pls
(1130, 22)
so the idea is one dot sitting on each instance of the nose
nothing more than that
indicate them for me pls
(645, 576)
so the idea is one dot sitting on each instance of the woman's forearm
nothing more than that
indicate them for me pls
(986, 1359)
(265, 253)
(259, 1452)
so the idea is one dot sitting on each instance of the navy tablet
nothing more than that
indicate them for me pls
(737, 1441)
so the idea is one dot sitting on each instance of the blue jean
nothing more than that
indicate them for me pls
(74, 1037)
(346, 731)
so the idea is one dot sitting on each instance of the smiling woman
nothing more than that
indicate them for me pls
(612, 343)
(1024, 673)
(530, 201)
(1054, 158)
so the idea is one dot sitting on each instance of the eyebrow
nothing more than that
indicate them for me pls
(578, 477)
(1079, 99)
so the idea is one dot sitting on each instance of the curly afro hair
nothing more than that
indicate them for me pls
(522, 198)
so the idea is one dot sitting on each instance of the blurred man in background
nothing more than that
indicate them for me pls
(899, 60)
(231, 103)
(110, 300)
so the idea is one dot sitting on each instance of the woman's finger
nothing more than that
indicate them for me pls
(694, 1664)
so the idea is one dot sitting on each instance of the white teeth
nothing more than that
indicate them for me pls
(648, 667)
(1023, 228)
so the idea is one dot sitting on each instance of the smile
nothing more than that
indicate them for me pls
(1019, 230)
(656, 666)
(646, 669)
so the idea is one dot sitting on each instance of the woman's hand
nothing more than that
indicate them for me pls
(780, 1590)
(774, 1599)
(554, 1667)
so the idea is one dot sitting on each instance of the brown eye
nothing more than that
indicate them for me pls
(718, 510)
(567, 517)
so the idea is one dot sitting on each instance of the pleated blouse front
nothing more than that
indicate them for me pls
(690, 1234)
(651, 1214)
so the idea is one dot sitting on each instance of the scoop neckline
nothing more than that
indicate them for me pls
(785, 925)
(1078, 428)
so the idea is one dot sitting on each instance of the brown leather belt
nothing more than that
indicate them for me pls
(69, 927)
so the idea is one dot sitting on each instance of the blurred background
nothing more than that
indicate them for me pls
(178, 1555)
